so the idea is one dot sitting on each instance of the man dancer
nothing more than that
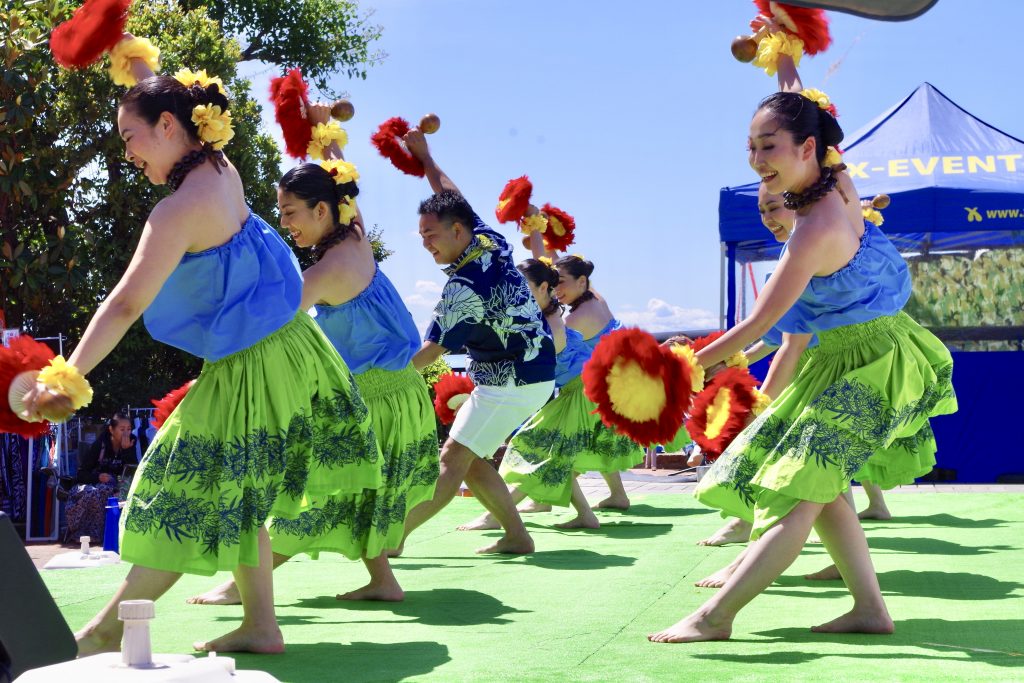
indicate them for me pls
(486, 307)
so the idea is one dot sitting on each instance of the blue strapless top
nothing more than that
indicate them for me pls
(373, 330)
(612, 325)
(570, 361)
(225, 299)
(873, 284)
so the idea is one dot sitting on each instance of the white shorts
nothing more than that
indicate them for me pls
(492, 413)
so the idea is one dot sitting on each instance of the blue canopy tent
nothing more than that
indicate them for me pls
(957, 184)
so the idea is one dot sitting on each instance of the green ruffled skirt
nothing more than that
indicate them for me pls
(259, 431)
(374, 521)
(864, 389)
(563, 437)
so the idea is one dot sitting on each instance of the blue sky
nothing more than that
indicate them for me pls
(631, 117)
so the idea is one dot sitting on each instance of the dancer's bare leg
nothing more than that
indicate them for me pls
(876, 509)
(735, 530)
(103, 633)
(843, 536)
(585, 517)
(763, 563)
(490, 489)
(617, 498)
(382, 586)
(227, 592)
(456, 460)
(259, 631)
(533, 506)
(831, 572)
(487, 521)
(718, 579)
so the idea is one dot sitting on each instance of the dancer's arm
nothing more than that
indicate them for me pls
(789, 79)
(416, 143)
(427, 354)
(758, 351)
(783, 366)
(165, 239)
(140, 70)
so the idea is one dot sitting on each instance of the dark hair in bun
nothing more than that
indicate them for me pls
(576, 266)
(153, 96)
(803, 119)
(538, 272)
(313, 184)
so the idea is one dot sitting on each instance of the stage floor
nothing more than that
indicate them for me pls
(578, 609)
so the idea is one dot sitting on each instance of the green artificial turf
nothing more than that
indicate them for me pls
(951, 566)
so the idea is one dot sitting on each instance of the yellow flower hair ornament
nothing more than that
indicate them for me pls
(772, 46)
(188, 78)
(347, 211)
(122, 55)
(323, 135)
(65, 379)
(342, 171)
(546, 260)
(214, 124)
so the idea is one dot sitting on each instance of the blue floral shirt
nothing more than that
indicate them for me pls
(486, 307)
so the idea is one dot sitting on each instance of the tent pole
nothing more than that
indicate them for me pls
(730, 316)
(721, 286)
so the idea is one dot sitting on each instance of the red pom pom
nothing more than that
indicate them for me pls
(552, 240)
(24, 354)
(810, 25)
(290, 94)
(642, 366)
(514, 200)
(740, 385)
(446, 388)
(95, 27)
(387, 141)
(166, 405)
(701, 342)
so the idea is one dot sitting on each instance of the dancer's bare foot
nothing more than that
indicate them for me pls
(485, 522)
(92, 641)
(875, 512)
(718, 579)
(614, 503)
(533, 506)
(735, 531)
(266, 641)
(224, 594)
(581, 521)
(510, 546)
(862, 621)
(693, 628)
(386, 592)
(829, 573)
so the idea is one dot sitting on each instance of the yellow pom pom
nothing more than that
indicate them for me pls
(188, 78)
(535, 223)
(556, 226)
(761, 402)
(347, 211)
(65, 379)
(633, 393)
(323, 135)
(872, 215)
(342, 171)
(772, 46)
(122, 55)
(214, 124)
(718, 413)
(737, 360)
(687, 355)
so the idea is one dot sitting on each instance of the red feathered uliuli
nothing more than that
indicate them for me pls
(290, 95)
(166, 405)
(387, 140)
(552, 240)
(514, 200)
(810, 25)
(22, 355)
(94, 28)
(449, 385)
(701, 342)
(741, 385)
(640, 347)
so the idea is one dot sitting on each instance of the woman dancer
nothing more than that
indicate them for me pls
(365, 319)
(876, 376)
(540, 460)
(246, 442)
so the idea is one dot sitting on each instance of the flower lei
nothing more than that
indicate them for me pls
(774, 45)
(323, 135)
(214, 123)
(61, 377)
(122, 55)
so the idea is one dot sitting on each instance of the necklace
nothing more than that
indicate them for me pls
(192, 160)
(821, 187)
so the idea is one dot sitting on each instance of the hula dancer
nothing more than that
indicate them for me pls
(363, 316)
(273, 417)
(876, 377)
(486, 307)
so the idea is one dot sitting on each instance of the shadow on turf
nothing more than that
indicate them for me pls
(359, 661)
(920, 584)
(931, 546)
(551, 559)
(437, 607)
(645, 510)
(973, 638)
(616, 530)
(940, 519)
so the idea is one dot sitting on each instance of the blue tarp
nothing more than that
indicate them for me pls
(956, 182)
